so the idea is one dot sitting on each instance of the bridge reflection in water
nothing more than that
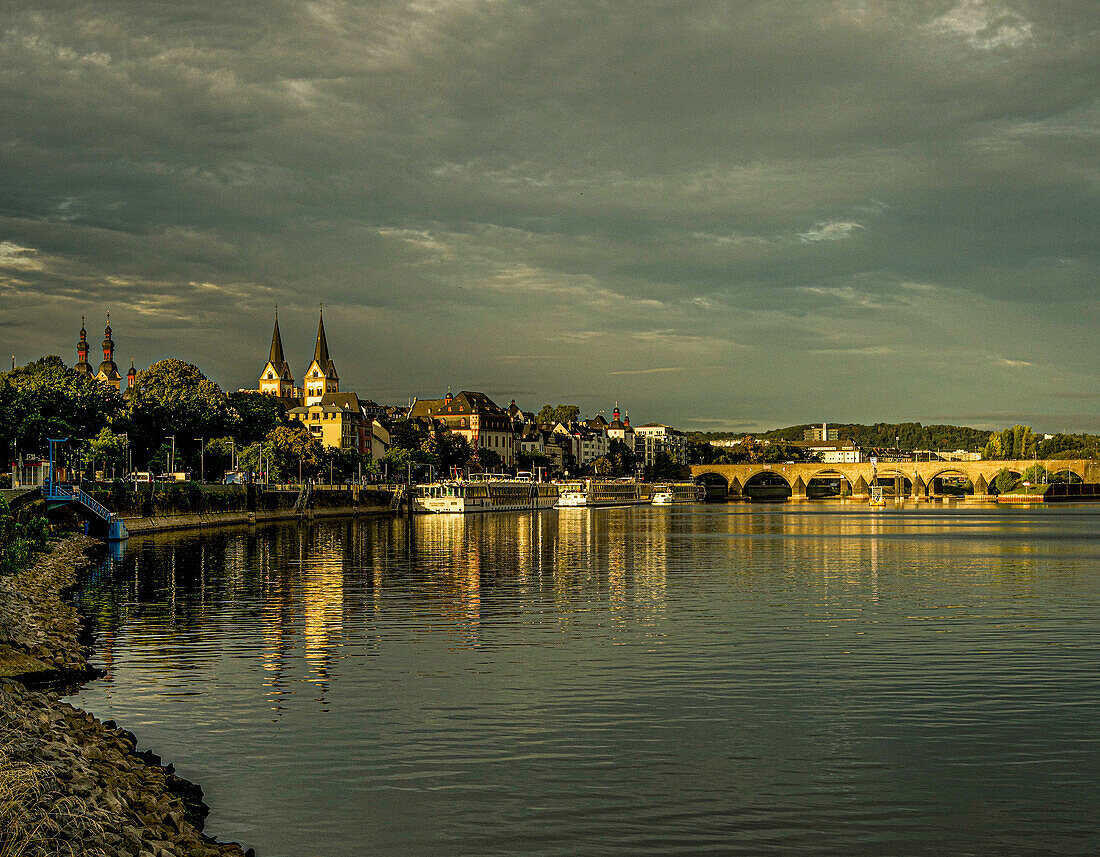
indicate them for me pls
(921, 480)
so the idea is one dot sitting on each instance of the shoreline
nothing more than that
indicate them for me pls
(79, 782)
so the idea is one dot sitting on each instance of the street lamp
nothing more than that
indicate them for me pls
(172, 461)
(202, 458)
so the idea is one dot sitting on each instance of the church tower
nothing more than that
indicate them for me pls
(108, 371)
(321, 377)
(276, 378)
(82, 365)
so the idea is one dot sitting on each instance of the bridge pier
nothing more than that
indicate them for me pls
(735, 491)
(798, 490)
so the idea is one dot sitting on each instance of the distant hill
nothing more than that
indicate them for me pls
(909, 435)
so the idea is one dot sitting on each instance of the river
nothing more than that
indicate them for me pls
(812, 679)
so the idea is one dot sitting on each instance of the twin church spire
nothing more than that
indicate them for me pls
(320, 379)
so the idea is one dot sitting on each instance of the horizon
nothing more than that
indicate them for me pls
(723, 218)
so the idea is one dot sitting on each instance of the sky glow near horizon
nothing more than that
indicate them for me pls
(721, 215)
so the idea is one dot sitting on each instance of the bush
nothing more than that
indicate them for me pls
(19, 540)
(1005, 480)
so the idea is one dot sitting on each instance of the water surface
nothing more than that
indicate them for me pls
(730, 679)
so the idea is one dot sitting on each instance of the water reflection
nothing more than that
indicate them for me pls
(620, 680)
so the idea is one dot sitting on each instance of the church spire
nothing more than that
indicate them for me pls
(82, 349)
(275, 379)
(277, 358)
(321, 378)
(320, 352)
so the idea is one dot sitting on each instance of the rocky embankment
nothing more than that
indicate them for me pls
(70, 784)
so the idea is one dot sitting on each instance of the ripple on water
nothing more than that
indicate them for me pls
(634, 681)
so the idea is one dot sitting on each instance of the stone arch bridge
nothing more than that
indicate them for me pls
(917, 479)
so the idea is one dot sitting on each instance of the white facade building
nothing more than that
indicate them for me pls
(656, 437)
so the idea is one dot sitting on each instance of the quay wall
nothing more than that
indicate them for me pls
(195, 521)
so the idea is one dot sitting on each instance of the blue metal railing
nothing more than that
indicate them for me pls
(61, 491)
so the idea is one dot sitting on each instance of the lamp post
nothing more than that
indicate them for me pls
(202, 458)
(172, 460)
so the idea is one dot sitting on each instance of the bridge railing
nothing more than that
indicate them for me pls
(61, 491)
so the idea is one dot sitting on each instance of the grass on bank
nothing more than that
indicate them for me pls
(31, 814)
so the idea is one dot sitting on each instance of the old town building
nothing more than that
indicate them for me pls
(474, 416)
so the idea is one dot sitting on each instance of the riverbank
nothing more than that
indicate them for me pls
(69, 783)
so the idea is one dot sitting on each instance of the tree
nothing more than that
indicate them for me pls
(172, 397)
(341, 465)
(219, 454)
(1070, 446)
(665, 466)
(564, 414)
(486, 460)
(290, 450)
(1005, 480)
(258, 415)
(106, 449)
(1012, 443)
(619, 461)
(1036, 475)
(530, 460)
(46, 399)
(452, 450)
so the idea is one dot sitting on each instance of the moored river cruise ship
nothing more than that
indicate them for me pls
(604, 492)
(666, 493)
(485, 492)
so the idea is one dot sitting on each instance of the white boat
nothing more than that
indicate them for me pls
(604, 492)
(484, 492)
(666, 493)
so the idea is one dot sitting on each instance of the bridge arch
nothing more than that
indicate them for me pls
(1071, 474)
(828, 482)
(716, 485)
(958, 476)
(767, 486)
(895, 481)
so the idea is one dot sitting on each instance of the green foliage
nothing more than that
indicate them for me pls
(487, 461)
(47, 399)
(1012, 443)
(174, 398)
(754, 451)
(19, 540)
(1005, 481)
(1036, 474)
(564, 414)
(665, 466)
(1065, 446)
(531, 460)
(882, 435)
(290, 450)
(619, 461)
(341, 465)
(106, 451)
(218, 457)
(258, 415)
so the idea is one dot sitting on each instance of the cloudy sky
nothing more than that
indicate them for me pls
(720, 214)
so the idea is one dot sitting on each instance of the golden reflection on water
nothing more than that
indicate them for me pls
(314, 592)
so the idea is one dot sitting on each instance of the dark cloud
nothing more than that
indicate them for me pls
(728, 212)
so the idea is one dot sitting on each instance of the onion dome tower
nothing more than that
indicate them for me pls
(108, 371)
(321, 377)
(82, 365)
(276, 378)
(131, 375)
